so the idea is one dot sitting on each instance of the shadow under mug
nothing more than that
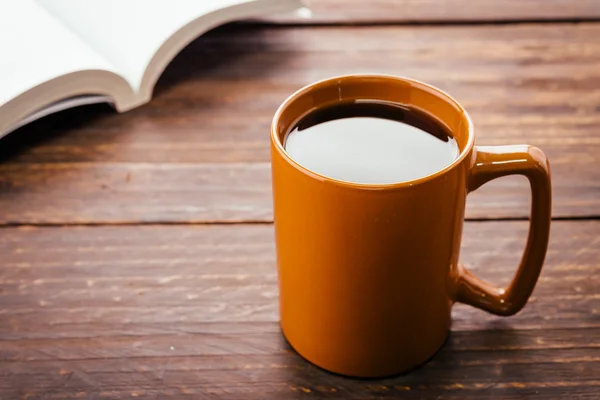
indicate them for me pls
(368, 273)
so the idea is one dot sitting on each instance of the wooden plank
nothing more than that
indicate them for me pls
(443, 11)
(195, 274)
(123, 192)
(191, 311)
(199, 151)
(288, 377)
(198, 193)
(271, 371)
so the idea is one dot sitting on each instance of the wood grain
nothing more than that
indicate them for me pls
(191, 312)
(443, 11)
(199, 151)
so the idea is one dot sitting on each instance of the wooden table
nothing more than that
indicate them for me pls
(137, 255)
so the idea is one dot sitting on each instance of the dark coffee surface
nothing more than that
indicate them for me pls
(371, 142)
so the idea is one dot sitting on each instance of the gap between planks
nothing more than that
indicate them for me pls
(433, 22)
(247, 222)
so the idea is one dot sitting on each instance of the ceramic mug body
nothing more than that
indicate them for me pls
(368, 273)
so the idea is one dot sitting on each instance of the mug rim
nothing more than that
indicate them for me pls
(372, 186)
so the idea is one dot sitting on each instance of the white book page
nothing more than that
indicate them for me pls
(129, 32)
(36, 48)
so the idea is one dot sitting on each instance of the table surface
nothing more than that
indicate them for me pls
(137, 249)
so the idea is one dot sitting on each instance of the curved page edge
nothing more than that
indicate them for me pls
(88, 87)
(199, 26)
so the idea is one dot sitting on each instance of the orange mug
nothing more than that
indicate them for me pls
(368, 273)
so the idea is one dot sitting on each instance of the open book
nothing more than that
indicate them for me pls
(57, 54)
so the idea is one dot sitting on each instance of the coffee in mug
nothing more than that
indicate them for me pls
(371, 142)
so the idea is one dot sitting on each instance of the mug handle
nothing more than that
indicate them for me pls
(492, 162)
